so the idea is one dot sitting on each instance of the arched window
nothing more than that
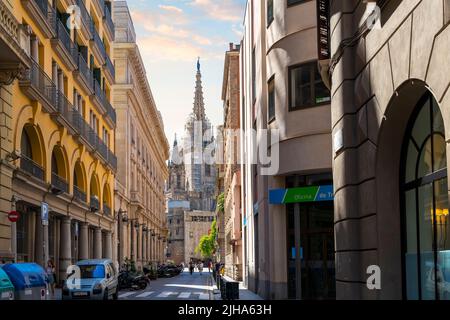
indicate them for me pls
(25, 145)
(426, 240)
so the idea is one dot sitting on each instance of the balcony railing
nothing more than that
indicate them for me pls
(106, 209)
(65, 108)
(39, 87)
(95, 203)
(78, 194)
(110, 112)
(110, 67)
(43, 14)
(109, 21)
(28, 165)
(85, 16)
(98, 42)
(85, 72)
(64, 37)
(59, 183)
(112, 159)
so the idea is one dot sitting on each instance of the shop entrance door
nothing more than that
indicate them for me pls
(311, 265)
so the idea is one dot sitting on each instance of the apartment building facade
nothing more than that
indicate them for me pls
(287, 215)
(142, 170)
(232, 169)
(61, 133)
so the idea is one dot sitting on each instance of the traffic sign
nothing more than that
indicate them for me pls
(44, 213)
(13, 216)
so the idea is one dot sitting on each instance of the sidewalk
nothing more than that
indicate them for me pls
(244, 293)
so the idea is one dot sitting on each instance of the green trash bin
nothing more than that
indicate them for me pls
(6, 286)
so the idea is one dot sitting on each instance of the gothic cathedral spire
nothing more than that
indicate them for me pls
(199, 104)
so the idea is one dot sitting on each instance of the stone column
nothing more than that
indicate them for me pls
(108, 245)
(132, 242)
(65, 254)
(98, 243)
(144, 247)
(84, 241)
(139, 246)
(35, 48)
(55, 73)
(149, 246)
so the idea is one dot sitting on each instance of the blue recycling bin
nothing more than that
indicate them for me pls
(29, 280)
(6, 286)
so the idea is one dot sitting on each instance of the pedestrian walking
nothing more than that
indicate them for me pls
(191, 267)
(51, 276)
(200, 267)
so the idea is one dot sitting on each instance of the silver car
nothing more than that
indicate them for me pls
(97, 280)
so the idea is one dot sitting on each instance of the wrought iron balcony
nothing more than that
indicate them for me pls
(59, 183)
(43, 15)
(98, 46)
(64, 46)
(84, 74)
(86, 20)
(99, 98)
(38, 86)
(110, 28)
(31, 167)
(78, 194)
(112, 160)
(106, 209)
(95, 204)
(110, 70)
(64, 114)
(100, 6)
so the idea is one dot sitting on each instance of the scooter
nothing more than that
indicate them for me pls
(129, 281)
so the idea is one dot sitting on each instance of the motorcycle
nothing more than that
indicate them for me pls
(130, 281)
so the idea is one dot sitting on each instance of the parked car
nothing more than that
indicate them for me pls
(98, 280)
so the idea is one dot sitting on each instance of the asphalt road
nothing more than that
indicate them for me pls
(182, 287)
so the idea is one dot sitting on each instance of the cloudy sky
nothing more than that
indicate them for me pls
(171, 34)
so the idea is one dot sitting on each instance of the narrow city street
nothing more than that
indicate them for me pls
(184, 287)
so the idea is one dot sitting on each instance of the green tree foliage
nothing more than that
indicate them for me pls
(221, 203)
(207, 245)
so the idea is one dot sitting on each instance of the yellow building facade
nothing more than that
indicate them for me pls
(60, 132)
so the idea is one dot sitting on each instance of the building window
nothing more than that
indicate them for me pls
(271, 99)
(269, 12)
(425, 204)
(306, 88)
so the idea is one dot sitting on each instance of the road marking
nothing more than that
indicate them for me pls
(165, 294)
(204, 296)
(126, 294)
(145, 294)
(184, 295)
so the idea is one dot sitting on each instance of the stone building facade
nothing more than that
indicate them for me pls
(196, 225)
(282, 91)
(232, 170)
(390, 120)
(178, 203)
(142, 169)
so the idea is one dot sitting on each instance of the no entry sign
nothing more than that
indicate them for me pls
(13, 216)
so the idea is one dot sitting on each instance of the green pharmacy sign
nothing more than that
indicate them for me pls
(298, 195)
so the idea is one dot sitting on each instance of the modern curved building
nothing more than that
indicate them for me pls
(288, 246)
